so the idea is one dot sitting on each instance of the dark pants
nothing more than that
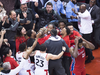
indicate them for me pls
(12, 47)
(88, 51)
(66, 63)
(75, 24)
(56, 66)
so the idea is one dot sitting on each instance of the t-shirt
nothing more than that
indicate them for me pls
(12, 61)
(72, 37)
(66, 39)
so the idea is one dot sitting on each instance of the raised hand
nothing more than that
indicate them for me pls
(18, 18)
(25, 15)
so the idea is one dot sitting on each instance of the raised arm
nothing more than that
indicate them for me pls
(88, 44)
(30, 49)
(2, 35)
(54, 57)
(74, 51)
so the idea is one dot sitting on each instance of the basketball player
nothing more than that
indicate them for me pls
(42, 58)
(24, 51)
(78, 56)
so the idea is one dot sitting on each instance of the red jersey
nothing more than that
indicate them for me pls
(42, 40)
(66, 39)
(72, 37)
(20, 40)
(12, 61)
(78, 64)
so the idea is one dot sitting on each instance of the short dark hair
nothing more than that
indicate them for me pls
(29, 32)
(52, 25)
(49, 3)
(5, 51)
(62, 20)
(67, 30)
(80, 40)
(53, 32)
(22, 46)
(69, 24)
(11, 12)
(42, 47)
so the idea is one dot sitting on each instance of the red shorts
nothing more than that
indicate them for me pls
(78, 72)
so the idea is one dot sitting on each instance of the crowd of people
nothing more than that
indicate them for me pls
(48, 37)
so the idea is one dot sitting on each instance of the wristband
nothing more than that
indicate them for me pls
(63, 50)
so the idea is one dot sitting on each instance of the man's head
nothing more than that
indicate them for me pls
(6, 66)
(50, 27)
(82, 8)
(43, 47)
(70, 26)
(12, 15)
(31, 33)
(65, 31)
(92, 3)
(49, 7)
(22, 47)
(62, 24)
(55, 0)
(53, 32)
(80, 43)
(74, 1)
(23, 7)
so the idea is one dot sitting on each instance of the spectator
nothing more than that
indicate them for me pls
(46, 15)
(20, 37)
(8, 58)
(30, 16)
(85, 27)
(95, 15)
(54, 45)
(72, 34)
(57, 6)
(7, 68)
(66, 57)
(11, 27)
(72, 5)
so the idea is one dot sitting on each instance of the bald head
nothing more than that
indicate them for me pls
(82, 8)
(12, 15)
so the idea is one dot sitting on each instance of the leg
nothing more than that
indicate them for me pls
(59, 68)
(84, 72)
(66, 64)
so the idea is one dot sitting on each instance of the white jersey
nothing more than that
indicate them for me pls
(16, 70)
(41, 64)
(27, 69)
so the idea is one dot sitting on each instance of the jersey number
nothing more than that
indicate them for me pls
(29, 72)
(37, 63)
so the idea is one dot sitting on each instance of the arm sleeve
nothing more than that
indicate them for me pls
(17, 45)
(97, 20)
(62, 9)
(13, 27)
(58, 16)
(23, 20)
(16, 70)
(83, 15)
(38, 11)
